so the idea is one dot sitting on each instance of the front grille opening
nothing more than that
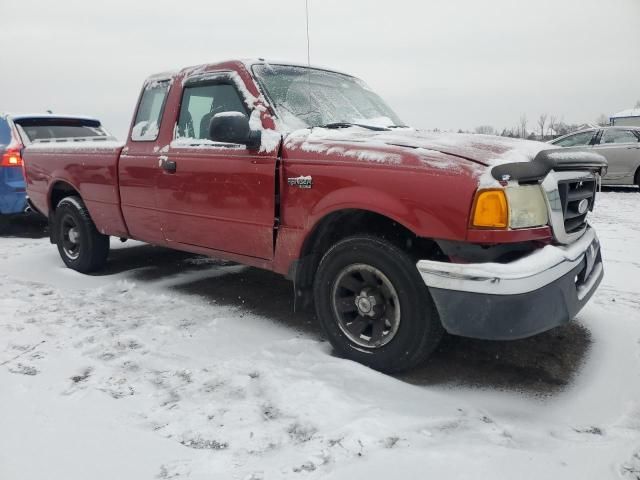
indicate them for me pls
(572, 195)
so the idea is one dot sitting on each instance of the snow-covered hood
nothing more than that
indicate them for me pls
(380, 145)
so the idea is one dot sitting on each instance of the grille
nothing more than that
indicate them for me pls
(572, 193)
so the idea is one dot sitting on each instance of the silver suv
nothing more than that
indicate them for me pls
(619, 145)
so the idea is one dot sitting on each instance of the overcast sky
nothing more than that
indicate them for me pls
(440, 63)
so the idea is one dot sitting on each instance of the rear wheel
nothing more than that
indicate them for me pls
(81, 246)
(374, 306)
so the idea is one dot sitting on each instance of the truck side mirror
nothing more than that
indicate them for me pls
(233, 127)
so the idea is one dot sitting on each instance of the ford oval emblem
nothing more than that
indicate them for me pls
(583, 206)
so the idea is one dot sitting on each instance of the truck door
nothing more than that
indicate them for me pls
(138, 166)
(215, 195)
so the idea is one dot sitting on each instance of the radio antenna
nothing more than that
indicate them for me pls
(306, 4)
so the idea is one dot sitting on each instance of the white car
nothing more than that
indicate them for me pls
(619, 145)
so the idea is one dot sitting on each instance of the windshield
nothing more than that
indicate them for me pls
(307, 97)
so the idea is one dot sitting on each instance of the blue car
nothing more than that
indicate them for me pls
(18, 131)
(12, 187)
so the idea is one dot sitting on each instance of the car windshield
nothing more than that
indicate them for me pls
(307, 97)
(577, 140)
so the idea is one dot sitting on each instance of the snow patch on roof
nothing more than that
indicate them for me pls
(631, 112)
(169, 74)
(249, 62)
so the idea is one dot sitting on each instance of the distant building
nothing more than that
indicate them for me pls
(629, 117)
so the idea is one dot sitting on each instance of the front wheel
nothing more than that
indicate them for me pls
(81, 246)
(374, 305)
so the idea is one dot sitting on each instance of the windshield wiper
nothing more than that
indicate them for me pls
(348, 124)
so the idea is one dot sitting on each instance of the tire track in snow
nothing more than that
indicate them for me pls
(265, 406)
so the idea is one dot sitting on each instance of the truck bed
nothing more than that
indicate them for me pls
(90, 167)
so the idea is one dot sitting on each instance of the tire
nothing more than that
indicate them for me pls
(398, 326)
(81, 247)
(637, 178)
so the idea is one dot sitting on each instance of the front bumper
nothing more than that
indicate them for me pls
(497, 301)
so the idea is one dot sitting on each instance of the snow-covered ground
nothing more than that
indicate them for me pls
(174, 366)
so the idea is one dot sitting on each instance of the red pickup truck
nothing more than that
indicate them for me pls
(396, 235)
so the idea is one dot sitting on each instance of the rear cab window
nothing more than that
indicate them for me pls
(149, 115)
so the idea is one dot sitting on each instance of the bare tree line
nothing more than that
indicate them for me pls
(546, 127)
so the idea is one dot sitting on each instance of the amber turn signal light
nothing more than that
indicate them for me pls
(490, 209)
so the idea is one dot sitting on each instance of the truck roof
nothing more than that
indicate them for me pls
(234, 63)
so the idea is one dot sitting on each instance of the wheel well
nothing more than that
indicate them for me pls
(637, 177)
(346, 223)
(59, 191)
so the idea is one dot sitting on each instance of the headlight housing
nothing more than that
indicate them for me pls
(527, 207)
(521, 206)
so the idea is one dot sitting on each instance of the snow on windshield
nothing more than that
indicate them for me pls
(307, 97)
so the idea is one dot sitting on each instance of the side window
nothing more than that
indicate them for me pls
(5, 132)
(147, 122)
(577, 140)
(618, 136)
(201, 102)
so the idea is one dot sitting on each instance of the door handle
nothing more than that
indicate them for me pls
(167, 165)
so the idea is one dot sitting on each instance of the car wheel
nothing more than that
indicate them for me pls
(637, 178)
(81, 246)
(374, 306)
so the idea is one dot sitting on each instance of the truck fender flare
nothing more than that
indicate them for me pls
(56, 182)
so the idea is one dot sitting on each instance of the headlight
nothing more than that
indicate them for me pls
(527, 207)
(522, 206)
